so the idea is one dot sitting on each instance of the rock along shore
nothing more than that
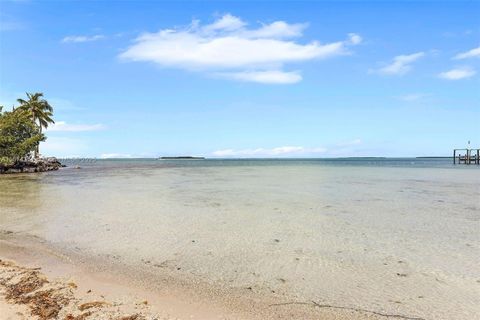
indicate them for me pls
(38, 165)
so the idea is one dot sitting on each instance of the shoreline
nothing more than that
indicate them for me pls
(33, 166)
(102, 282)
(165, 297)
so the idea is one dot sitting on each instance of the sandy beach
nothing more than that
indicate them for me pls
(38, 282)
(112, 295)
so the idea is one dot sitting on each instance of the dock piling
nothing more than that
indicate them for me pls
(471, 156)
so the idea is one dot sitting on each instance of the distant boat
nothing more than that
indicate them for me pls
(182, 158)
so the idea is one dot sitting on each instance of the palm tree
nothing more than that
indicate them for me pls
(41, 111)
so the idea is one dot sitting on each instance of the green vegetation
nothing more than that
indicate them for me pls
(21, 129)
(40, 111)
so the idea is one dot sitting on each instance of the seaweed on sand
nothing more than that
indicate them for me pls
(24, 286)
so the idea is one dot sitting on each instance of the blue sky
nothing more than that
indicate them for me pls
(247, 79)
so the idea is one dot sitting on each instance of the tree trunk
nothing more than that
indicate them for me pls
(37, 148)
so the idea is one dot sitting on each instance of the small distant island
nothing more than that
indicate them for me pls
(21, 134)
(182, 158)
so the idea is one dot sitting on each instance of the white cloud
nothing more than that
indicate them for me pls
(82, 38)
(458, 73)
(401, 64)
(265, 152)
(355, 38)
(228, 46)
(226, 22)
(63, 126)
(269, 76)
(344, 148)
(474, 53)
(115, 155)
(277, 30)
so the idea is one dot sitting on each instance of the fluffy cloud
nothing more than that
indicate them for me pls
(229, 47)
(82, 38)
(264, 152)
(355, 38)
(458, 74)
(401, 64)
(63, 126)
(474, 53)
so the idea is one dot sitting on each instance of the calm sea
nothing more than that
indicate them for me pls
(391, 235)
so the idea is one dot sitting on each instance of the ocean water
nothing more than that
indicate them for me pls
(390, 235)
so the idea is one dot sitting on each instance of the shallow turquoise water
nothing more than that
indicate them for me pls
(392, 235)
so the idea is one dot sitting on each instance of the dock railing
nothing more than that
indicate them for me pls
(470, 156)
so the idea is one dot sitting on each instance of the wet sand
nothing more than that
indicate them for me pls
(114, 294)
(98, 290)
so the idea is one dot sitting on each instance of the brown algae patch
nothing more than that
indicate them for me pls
(46, 300)
(93, 304)
(29, 287)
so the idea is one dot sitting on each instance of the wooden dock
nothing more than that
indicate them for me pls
(470, 156)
